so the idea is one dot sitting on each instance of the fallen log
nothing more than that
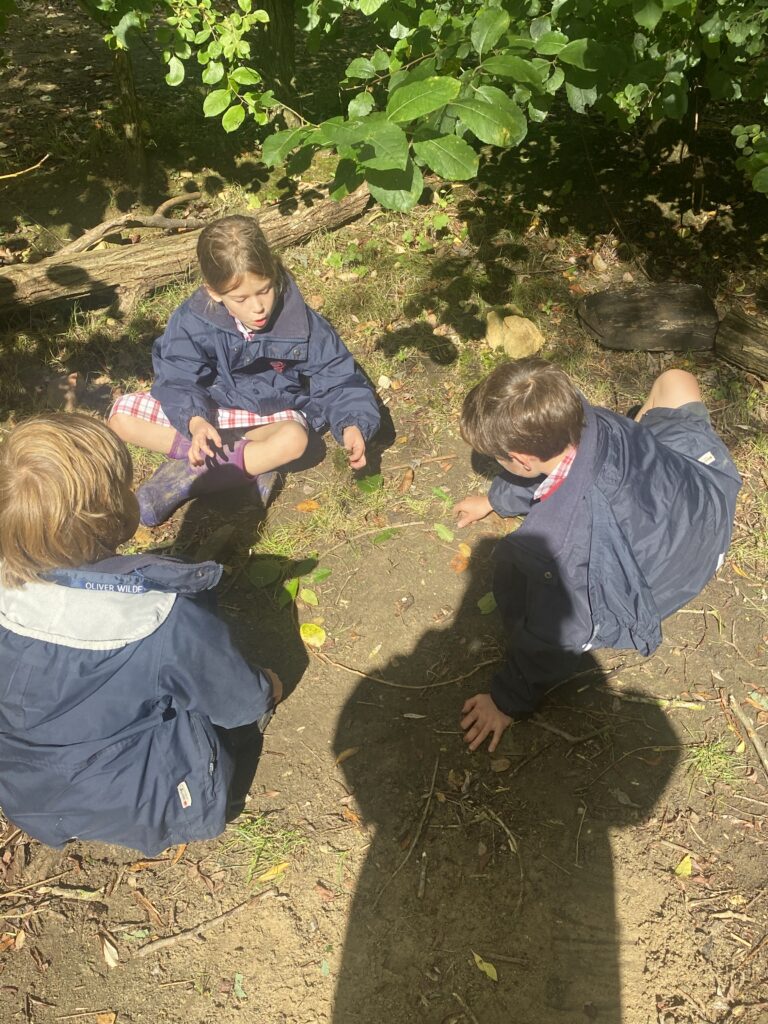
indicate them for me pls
(743, 340)
(650, 317)
(122, 274)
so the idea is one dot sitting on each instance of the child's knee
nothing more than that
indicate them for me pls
(295, 440)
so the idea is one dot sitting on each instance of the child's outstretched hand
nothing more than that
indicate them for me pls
(354, 443)
(471, 509)
(481, 718)
(205, 440)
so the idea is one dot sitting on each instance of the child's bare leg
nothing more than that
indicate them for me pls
(670, 390)
(273, 445)
(157, 437)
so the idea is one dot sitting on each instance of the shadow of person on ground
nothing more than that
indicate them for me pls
(504, 860)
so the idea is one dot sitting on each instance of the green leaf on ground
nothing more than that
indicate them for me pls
(308, 596)
(685, 868)
(288, 592)
(387, 534)
(443, 532)
(487, 603)
(370, 484)
(319, 575)
(263, 571)
(237, 987)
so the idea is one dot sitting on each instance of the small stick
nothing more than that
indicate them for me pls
(750, 730)
(492, 816)
(169, 204)
(582, 816)
(422, 876)
(417, 836)
(573, 740)
(191, 933)
(659, 702)
(84, 1013)
(416, 462)
(30, 885)
(366, 533)
(404, 686)
(465, 1008)
(18, 174)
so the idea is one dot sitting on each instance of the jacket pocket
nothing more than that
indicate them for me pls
(208, 755)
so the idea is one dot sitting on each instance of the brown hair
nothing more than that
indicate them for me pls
(234, 246)
(65, 495)
(528, 406)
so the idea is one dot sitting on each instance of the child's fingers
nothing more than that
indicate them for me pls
(496, 736)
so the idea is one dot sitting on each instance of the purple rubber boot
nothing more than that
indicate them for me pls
(262, 487)
(176, 482)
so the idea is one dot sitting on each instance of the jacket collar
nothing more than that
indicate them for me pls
(289, 322)
(138, 574)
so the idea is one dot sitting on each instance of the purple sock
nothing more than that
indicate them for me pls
(230, 455)
(179, 447)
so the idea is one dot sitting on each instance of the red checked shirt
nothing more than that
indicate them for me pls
(548, 487)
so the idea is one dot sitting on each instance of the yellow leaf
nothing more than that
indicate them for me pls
(500, 764)
(179, 853)
(465, 549)
(685, 868)
(487, 968)
(107, 1017)
(311, 634)
(274, 872)
(346, 754)
(20, 939)
(307, 506)
(741, 747)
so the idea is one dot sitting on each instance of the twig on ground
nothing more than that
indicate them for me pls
(573, 740)
(582, 816)
(18, 174)
(404, 686)
(366, 533)
(187, 197)
(750, 730)
(660, 702)
(422, 876)
(753, 951)
(512, 841)
(629, 753)
(417, 835)
(30, 885)
(109, 227)
(416, 462)
(191, 933)
(465, 1008)
(83, 1013)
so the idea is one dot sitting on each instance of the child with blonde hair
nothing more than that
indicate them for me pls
(119, 680)
(244, 353)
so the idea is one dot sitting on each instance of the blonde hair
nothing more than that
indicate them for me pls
(65, 495)
(234, 246)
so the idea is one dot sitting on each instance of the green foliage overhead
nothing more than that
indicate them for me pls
(454, 76)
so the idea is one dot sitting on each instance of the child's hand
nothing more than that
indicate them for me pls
(471, 509)
(205, 440)
(354, 444)
(481, 719)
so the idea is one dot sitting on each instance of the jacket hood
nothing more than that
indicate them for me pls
(289, 320)
(104, 606)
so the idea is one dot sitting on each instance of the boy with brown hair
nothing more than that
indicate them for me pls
(118, 679)
(626, 521)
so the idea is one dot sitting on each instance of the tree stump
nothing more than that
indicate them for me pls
(122, 274)
(650, 318)
(743, 340)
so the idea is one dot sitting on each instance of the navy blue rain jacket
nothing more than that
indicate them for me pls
(203, 362)
(112, 679)
(635, 531)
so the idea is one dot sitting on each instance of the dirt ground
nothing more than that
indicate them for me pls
(607, 863)
(595, 868)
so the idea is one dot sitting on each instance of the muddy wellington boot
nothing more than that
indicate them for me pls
(176, 482)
